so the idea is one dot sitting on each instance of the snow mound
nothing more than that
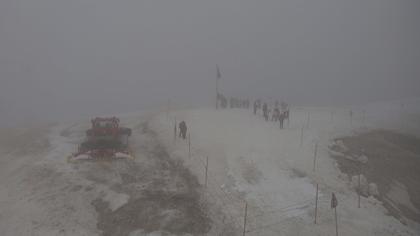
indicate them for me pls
(276, 171)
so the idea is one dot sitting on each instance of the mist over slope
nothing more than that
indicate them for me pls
(163, 190)
(254, 161)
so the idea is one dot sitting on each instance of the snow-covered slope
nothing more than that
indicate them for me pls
(253, 162)
(42, 194)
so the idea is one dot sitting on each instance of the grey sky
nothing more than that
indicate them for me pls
(61, 58)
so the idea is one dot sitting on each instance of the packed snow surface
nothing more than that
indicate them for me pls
(273, 173)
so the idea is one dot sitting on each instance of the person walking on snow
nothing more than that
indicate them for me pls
(183, 130)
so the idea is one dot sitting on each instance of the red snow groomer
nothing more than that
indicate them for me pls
(105, 139)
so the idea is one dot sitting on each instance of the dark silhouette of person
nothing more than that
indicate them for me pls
(281, 119)
(183, 130)
(276, 114)
(255, 107)
(265, 111)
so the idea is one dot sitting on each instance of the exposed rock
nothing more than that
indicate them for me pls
(362, 159)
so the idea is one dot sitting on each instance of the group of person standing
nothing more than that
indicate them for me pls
(233, 102)
(239, 103)
(280, 112)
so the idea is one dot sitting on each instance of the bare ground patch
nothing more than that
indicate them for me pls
(393, 164)
(164, 195)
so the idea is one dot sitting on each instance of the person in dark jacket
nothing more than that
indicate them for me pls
(281, 119)
(183, 130)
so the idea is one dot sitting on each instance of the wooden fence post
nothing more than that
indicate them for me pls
(246, 213)
(358, 193)
(359, 188)
(336, 223)
(189, 145)
(334, 204)
(316, 202)
(168, 109)
(315, 153)
(175, 129)
(207, 168)
(301, 136)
